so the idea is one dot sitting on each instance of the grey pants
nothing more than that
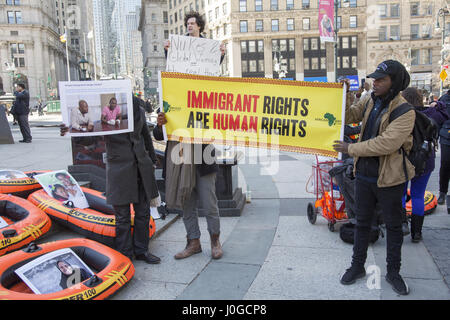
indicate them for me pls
(205, 193)
(24, 127)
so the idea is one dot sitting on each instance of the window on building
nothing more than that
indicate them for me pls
(315, 63)
(217, 12)
(354, 42)
(323, 63)
(414, 31)
(353, 22)
(242, 5)
(427, 57)
(415, 57)
(252, 66)
(273, 4)
(290, 24)
(19, 62)
(275, 26)
(259, 26)
(258, 5)
(426, 31)
(345, 43)
(243, 47)
(339, 22)
(382, 33)
(382, 10)
(395, 33)
(260, 46)
(353, 3)
(165, 15)
(414, 8)
(243, 26)
(244, 66)
(314, 44)
(251, 46)
(306, 44)
(306, 64)
(261, 65)
(395, 10)
(289, 4)
(166, 34)
(224, 8)
(306, 25)
(305, 4)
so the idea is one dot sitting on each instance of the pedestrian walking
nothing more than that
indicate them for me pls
(200, 183)
(437, 112)
(379, 168)
(444, 142)
(21, 110)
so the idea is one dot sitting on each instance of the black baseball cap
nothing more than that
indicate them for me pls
(387, 68)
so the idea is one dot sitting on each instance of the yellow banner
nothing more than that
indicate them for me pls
(304, 117)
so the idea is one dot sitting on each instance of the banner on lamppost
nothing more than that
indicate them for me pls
(326, 20)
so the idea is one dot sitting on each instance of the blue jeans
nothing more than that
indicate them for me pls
(418, 187)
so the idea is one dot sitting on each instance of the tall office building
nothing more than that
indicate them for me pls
(105, 36)
(30, 48)
(406, 31)
(153, 26)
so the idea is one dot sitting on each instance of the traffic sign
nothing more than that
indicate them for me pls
(443, 75)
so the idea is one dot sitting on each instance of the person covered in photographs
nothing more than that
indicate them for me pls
(111, 114)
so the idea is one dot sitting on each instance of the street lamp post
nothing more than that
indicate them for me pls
(441, 13)
(336, 30)
(84, 65)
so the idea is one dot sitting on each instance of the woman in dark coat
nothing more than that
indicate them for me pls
(437, 112)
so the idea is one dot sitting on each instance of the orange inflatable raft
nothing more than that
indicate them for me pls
(97, 222)
(21, 187)
(429, 199)
(25, 223)
(112, 271)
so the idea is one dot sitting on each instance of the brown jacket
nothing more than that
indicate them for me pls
(387, 144)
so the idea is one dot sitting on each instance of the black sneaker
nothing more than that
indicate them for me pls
(397, 283)
(352, 274)
(441, 199)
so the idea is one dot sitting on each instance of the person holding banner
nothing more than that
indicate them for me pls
(381, 170)
(200, 183)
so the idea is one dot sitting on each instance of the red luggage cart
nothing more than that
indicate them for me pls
(329, 201)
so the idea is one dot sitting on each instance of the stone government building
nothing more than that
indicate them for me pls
(280, 38)
(30, 41)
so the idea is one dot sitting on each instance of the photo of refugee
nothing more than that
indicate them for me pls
(63, 187)
(105, 110)
(54, 271)
(6, 174)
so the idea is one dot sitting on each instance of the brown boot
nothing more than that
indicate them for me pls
(192, 247)
(216, 248)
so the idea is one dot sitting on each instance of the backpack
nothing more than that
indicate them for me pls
(425, 137)
(347, 233)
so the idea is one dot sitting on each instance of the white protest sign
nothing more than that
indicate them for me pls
(193, 55)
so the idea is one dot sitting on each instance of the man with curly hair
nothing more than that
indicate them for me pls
(204, 187)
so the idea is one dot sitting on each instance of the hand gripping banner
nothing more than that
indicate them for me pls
(295, 116)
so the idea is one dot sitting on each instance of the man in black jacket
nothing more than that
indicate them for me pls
(205, 174)
(21, 111)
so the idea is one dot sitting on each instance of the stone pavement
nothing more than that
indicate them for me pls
(271, 252)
